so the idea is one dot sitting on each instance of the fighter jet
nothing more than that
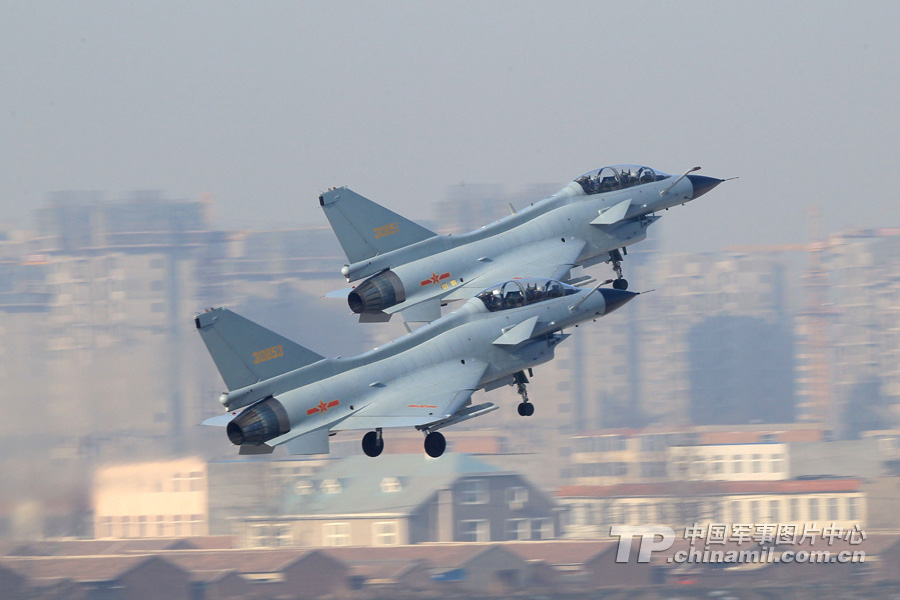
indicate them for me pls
(282, 393)
(409, 268)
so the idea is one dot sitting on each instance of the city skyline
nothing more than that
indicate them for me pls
(263, 107)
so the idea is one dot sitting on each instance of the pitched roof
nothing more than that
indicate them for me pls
(360, 479)
(79, 568)
(438, 556)
(119, 546)
(560, 553)
(385, 569)
(241, 561)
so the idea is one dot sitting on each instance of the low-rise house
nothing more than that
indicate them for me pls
(405, 499)
(270, 573)
(136, 577)
(465, 568)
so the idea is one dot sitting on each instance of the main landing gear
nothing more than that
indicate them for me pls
(525, 408)
(615, 257)
(373, 443)
(435, 444)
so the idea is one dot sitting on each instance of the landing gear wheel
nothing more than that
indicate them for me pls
(615, 258)
(372, 444)
(435, 444)
(526, 409)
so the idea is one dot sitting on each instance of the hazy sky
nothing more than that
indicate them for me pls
(264, 104)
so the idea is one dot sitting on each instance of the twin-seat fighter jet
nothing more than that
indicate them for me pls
(409, 268)
(282, 393)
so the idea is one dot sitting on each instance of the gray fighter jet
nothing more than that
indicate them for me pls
(282, 393)
(409, 268)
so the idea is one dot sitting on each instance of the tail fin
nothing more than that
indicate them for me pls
(245, 352)
(365, 228)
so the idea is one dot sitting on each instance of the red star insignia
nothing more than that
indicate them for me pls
(435, 277)
(323, 406)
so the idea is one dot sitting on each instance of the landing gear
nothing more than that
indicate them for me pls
(373, 443)
(435, 444)
(615, 257)
(525, 408)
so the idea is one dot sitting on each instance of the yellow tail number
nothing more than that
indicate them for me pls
(267, 354)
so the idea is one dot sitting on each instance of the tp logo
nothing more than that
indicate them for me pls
(649, 542)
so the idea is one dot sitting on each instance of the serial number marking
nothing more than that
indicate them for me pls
(386, 230)
(267, 354)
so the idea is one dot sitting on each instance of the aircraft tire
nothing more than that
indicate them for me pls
(371, 445)
(526, 409)
(620, 284)
(435, 444)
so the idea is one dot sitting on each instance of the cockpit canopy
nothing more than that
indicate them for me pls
(521, 292)
(618, 177)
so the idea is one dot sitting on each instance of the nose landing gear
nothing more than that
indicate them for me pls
(615, 258)
(525, 408)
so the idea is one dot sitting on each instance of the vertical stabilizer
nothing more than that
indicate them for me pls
(245, 352)
(365, 228)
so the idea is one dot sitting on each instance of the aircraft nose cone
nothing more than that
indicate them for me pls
(615, 298)
(703, 184)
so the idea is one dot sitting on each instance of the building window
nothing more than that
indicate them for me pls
(852, 508)
(541, 529)
(833, 509)
(718, 464)
(390, 484)
(385, 533)
(516, 497)
(736, 513)
(336, 534)
(518, 529)
(197, 525)
(303, 487)
(754, 511)
(795, 510)
(642, 516)
(737, 464)
(773, 511)
(269, 536)
(776, 465)
(331, 486)
(475, 530)
(757, 463)
(813, 509)
(473, 491)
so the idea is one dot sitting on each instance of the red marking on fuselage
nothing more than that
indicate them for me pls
(434, 279)
(322, 406)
